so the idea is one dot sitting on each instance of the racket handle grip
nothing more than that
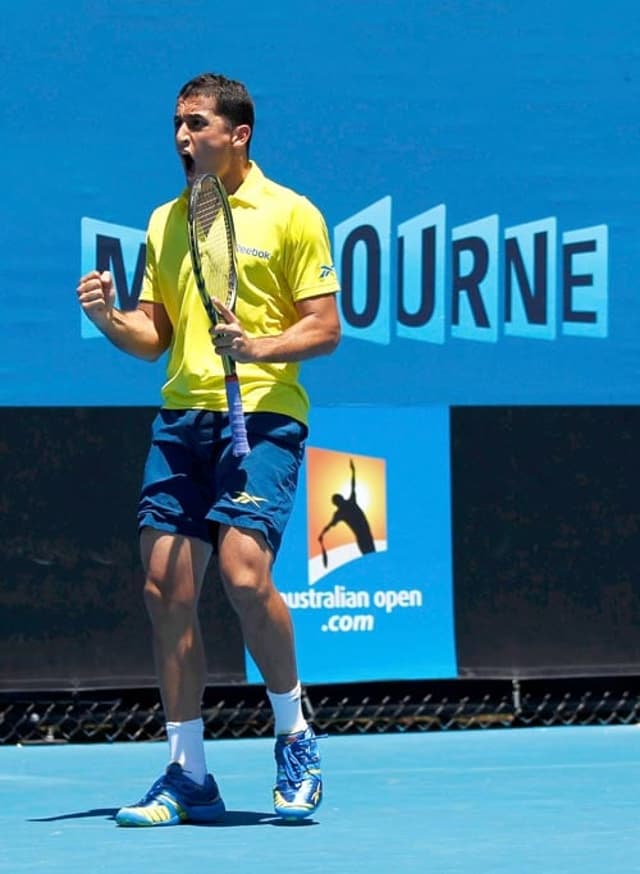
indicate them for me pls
(239, 441)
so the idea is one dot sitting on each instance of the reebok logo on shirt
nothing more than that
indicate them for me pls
(255, 253)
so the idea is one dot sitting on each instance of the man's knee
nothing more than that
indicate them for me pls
(168, 603)
(245, 584)
(244, 563)
(174, 567)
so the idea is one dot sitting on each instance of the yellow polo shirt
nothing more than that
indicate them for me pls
(283, 255)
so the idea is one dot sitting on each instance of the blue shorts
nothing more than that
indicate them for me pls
(192, 482)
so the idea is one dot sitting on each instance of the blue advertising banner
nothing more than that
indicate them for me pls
(476, 163)
(365, 565)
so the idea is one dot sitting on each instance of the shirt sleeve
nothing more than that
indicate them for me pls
(150, 290)
(309, 267)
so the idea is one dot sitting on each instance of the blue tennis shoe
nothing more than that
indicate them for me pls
(174, 799)
(298, 789)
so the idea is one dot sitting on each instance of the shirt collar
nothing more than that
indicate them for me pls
(249, 191)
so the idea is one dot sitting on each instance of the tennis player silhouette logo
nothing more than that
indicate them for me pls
(353, 516)
(346, 498)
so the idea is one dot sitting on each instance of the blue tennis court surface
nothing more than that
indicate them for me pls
(519, 800)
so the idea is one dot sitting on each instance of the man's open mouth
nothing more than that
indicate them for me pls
(188, 163)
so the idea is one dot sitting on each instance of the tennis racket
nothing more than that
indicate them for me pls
(212, 246)
(325, 558)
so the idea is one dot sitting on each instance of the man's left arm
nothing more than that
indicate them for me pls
(309, 273)
(317, 332)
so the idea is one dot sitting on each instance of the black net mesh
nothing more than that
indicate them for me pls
(244, 711)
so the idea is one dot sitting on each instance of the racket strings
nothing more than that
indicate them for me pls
(215, 245)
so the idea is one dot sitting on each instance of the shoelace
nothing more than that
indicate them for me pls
(162, 783)
(294, 762)
(296, 757)
(155, 790)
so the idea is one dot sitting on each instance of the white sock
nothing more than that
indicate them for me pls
(186, 747)
(287, 711)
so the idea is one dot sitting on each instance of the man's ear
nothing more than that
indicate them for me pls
(241, 135)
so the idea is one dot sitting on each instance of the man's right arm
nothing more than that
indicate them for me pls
(145, 332)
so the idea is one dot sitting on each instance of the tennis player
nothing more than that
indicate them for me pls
(196, 498)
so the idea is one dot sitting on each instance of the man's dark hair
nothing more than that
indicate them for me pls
(233, 101)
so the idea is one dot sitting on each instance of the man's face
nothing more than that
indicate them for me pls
(203, 138)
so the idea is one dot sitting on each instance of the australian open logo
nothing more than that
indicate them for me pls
(346, 509)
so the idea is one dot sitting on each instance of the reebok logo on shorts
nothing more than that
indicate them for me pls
(246, 498)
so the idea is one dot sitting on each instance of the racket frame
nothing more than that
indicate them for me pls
(240, 444)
